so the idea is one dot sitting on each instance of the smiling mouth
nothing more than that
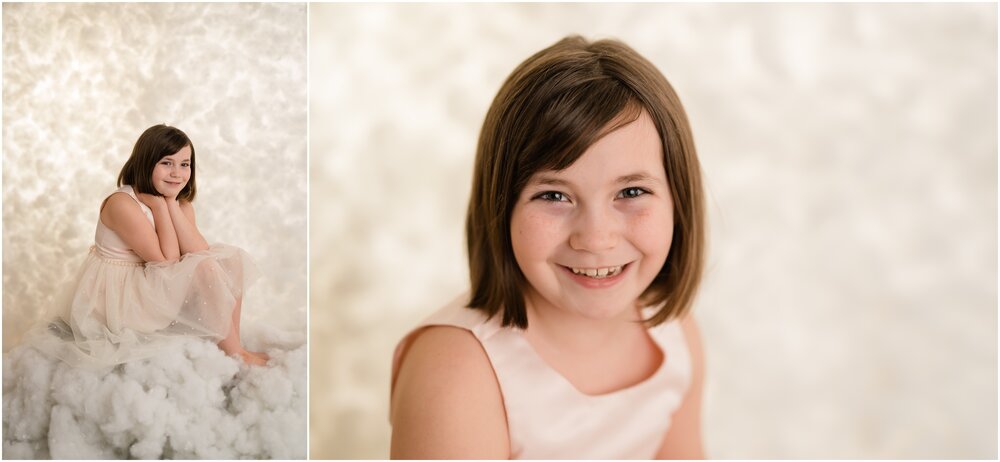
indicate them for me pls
(598, 273)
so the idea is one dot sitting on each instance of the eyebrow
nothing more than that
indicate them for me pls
(638, 177)
(549, 181)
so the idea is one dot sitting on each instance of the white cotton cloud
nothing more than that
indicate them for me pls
(191, 401)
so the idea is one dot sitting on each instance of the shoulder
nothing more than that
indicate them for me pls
(120, 196)
(681, 327)
(120, 204)
(446, 401)
(690, 327)
(692, 336)
(683, 439)
(452, 354)
(692, 340)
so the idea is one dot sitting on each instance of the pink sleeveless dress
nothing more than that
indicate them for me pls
(549, 418)
(121, 308)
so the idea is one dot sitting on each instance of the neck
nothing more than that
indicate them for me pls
(570, 332)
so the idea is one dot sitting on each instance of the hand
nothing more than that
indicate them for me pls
(151, 201)
(166, 195)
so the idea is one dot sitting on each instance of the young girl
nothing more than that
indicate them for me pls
(150, 274)
(585, 237)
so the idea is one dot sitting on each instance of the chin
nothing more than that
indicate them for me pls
(601, 312)
(170, 191)
(596, 307)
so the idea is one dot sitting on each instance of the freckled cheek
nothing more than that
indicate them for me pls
(535, 235)
(650, 229)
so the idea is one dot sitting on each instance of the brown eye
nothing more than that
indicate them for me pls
(632, 193)
(551, 196)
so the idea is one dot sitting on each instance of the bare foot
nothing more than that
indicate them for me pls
(261, 355)
(252, 358)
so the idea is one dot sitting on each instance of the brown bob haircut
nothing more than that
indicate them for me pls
(154, 144)
(549, 111)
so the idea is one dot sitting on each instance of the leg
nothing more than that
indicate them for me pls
(232, 345)
(236, 324)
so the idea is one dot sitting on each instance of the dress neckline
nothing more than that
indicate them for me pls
(566, 382)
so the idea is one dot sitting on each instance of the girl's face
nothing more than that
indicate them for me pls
(591, 238)
(172, 172)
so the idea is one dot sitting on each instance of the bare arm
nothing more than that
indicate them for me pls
(151, 242)
(446, 403)
(188, 236)
(683, 439)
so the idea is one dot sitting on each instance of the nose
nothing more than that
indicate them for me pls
(596, 229)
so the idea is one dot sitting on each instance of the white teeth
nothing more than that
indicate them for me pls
(598, 273)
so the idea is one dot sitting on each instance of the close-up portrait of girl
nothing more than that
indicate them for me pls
(154, 264)
(618, 231)
(585, 239)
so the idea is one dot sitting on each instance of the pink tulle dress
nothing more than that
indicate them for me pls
(121, 309)
(549, 418)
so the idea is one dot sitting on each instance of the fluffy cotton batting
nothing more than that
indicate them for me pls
(190, 401)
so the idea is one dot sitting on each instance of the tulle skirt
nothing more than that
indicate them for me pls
(120, 311)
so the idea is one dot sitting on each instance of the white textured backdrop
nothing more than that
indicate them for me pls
(850, 151)
(82, 81)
